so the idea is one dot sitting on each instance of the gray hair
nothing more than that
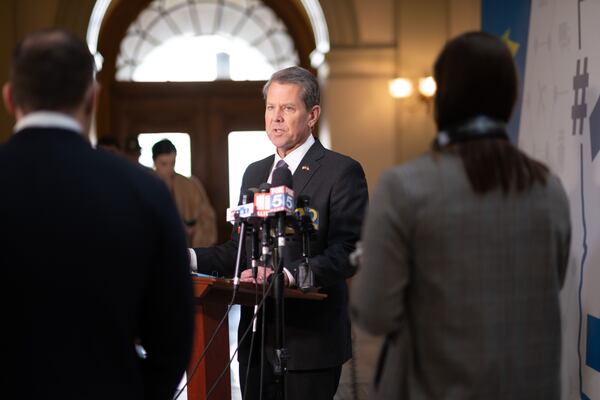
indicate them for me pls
(311, 95)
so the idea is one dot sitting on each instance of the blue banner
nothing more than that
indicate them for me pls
(509, 20)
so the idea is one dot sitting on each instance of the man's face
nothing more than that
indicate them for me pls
(165, 165)
(287, 121)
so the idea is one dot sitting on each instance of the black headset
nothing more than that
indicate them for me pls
(479, 127)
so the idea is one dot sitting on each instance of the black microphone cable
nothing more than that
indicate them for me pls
(249, 195)
(240, 341)
(251, 344)
(189, 378)
(262, 347)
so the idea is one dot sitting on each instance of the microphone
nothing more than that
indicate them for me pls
(262, 203)
(243, 211)
(307, 217)
(282, 200)
(246, 199)
(306, 279)
(254, 242)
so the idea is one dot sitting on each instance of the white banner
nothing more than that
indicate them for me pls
(560, 125)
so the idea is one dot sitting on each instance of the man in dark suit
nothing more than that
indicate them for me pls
(91, 247)
(317, 334)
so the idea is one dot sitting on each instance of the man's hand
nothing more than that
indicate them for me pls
(262, 275)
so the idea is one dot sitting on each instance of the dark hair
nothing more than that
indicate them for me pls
(108, 141)
(164, 146)
(476, 76)
(51, 70)
(132, 144)
(311, 95)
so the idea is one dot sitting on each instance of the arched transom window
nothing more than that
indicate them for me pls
(205, 40)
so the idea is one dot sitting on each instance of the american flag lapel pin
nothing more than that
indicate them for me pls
(305, 168)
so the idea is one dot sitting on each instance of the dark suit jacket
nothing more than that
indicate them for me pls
(317, 334)
(94, 255)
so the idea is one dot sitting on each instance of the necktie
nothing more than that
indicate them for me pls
(281, 164)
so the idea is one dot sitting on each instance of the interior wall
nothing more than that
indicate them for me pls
(7, 40)
(388, 38)
(18, 17)
(372, 41)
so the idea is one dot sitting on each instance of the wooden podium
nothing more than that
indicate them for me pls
(212, 297)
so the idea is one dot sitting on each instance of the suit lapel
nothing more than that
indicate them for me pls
(308, 166)
(265, 170)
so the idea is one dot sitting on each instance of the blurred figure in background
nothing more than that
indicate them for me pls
(109, 143)
(132, 148)
(132, 151)
(465, 249)
(192, 201)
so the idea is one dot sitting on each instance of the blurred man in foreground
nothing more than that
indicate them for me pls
(91, 247)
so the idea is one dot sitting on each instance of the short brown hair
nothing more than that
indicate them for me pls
(311, 95)
(51, 70)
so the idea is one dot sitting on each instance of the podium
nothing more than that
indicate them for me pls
(212, 296)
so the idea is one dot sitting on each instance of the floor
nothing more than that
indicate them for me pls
(362, 366)
(365, 348)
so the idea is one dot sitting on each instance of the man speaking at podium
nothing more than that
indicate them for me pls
(317, 333)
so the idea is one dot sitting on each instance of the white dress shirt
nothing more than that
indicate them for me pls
(47, 119)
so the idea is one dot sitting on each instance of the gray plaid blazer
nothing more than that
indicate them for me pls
(465, 287)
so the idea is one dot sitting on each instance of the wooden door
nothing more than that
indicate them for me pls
(208, 111)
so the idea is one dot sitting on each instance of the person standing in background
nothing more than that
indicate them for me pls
(190, 196)
(110, 144)
(132, 148)
(109, 267)
(465, 249)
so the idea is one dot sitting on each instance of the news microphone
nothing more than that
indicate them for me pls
(243, 211)
(306, 279)
(307, 217)
(247, 198)
(282, 180)
(262, 203)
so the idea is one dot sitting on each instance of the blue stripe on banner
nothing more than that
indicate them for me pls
(592, 356)
(509, 19)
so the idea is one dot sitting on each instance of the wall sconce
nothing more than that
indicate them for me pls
(400, 88)
(427, 86)
(403, 87)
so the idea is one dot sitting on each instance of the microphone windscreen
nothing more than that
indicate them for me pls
(303, 201)
(282, 177)
(250, 195)
(264, 187)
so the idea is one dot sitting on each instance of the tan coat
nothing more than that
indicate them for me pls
(194, 205)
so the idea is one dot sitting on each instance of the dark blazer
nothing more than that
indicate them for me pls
(93, 255)
(317, 334)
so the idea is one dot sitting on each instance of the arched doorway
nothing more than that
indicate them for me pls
(207, 110)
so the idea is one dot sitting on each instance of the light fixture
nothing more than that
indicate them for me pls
(400, 88)
(427, 86)
(403, 88)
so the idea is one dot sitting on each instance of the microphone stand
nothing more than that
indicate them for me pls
(306, 277)
(238, 257)
(281, 355)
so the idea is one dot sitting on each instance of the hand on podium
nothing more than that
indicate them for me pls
(262, 274)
